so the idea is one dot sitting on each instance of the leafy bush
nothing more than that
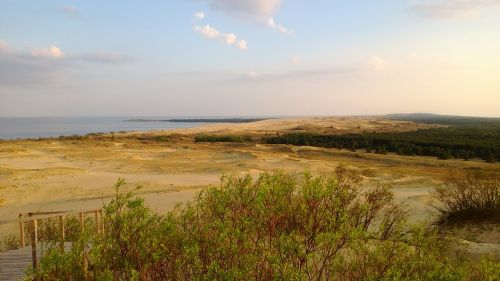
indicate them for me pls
(275, 227)
(471, 196)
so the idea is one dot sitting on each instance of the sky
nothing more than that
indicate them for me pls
(249, 57)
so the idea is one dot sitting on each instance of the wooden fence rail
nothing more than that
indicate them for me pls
(32, 219)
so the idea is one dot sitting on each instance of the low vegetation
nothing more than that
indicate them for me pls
(474, 196)
(9, 242)
(217, 138)
(274, 227)
(73, 137)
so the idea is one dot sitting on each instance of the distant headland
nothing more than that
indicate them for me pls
(202, 120)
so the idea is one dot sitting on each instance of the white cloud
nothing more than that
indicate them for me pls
(242, 45)
(104, 57)
(451, 9)
(294, 60)
(199, 15)
(376, 63)
(70, 10)
(35, 68)
(278, 27)
(229, 39)
(4, 47)
(253, 75)
(258, 8)
(208, 31)
(39, 66)
(301, 74)
(52, 52)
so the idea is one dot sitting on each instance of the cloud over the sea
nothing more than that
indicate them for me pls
(52, 52)
(257, 8)
(4, 47)
(294, 60)
(38, 66)
(451, 9)
(103, 57)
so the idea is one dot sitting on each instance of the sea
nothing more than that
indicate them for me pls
(35, 127)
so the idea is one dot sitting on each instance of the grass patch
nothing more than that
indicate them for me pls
(9, 242)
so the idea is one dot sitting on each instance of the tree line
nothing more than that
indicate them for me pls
(444, 143)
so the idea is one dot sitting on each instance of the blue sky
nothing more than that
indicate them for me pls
(249, 57)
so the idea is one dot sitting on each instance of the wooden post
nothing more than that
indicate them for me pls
(85, 265)
(34, 243)
(22, 243)
(61, 230)
(96, 216)
(102, 222)
(82, 222)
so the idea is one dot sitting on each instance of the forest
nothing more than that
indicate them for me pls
(461, 142)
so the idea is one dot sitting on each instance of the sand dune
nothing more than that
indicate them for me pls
(65, 174)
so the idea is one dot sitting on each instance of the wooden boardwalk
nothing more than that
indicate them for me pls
(13, 264)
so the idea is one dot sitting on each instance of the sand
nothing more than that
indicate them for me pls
(64, 174)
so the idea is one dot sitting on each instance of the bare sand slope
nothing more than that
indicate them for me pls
(331, 125)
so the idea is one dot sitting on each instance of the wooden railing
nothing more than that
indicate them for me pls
(32, 219)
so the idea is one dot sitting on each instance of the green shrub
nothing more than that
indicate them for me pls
(275, 227)
(48, 229)
(163, 138)
(229, 138)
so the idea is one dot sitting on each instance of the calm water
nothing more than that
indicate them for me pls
(13, 128)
